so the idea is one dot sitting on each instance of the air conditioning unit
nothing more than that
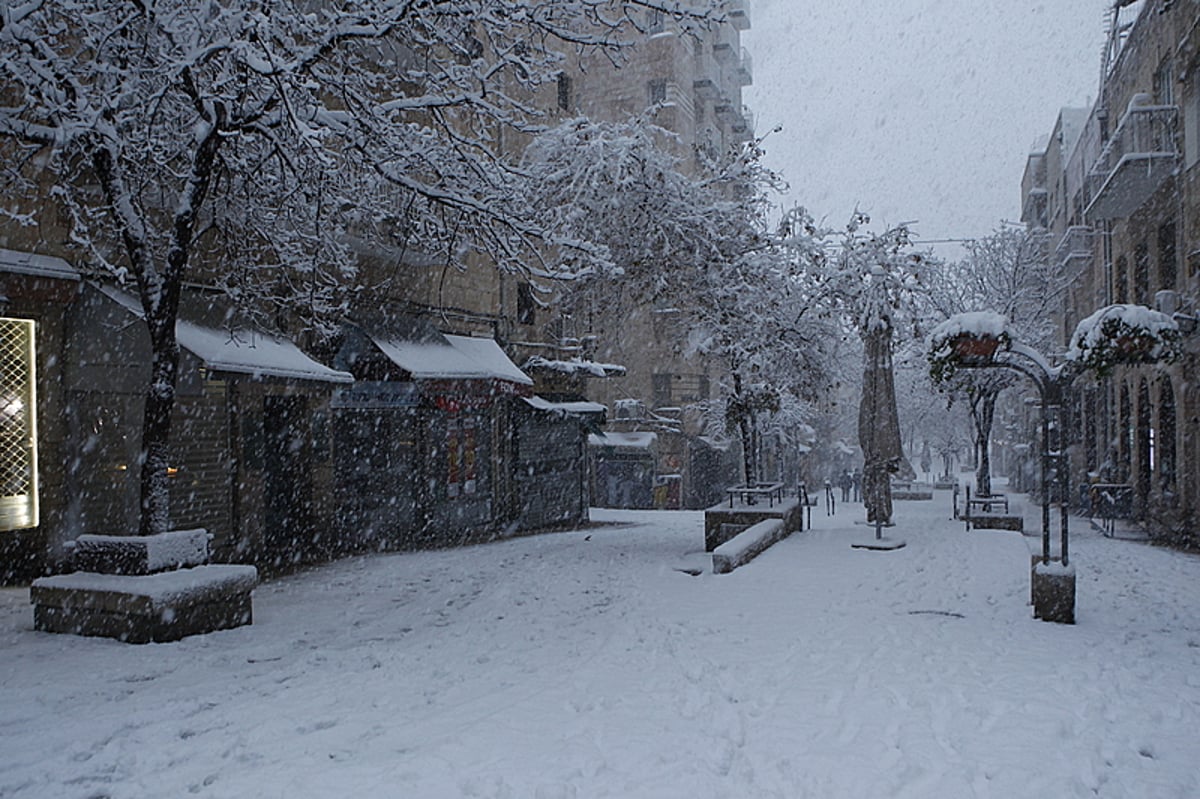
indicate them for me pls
(1166, 302)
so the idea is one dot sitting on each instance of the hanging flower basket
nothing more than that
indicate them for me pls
(966, 340)
(1124, 335)
(972, 350)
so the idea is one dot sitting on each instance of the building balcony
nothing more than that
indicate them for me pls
(724, 52)
(739, 14)
(742, 127)
(744, 72)
(1075, 247)
(1141, 154)
(1033, 207)
(707, 89)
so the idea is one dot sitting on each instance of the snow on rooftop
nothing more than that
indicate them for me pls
(566, 407)
(455, 358)
(244, 351)
(575, 366)
(31, 263)
(631, 440)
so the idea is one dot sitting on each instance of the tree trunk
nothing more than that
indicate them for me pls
(983, 413)
(156, 428)
(747, 429)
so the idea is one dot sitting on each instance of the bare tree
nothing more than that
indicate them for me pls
(1009, 272)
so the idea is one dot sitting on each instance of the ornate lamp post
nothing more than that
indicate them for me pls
(1116, 334)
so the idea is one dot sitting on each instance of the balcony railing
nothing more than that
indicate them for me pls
(1141, 154)
(745, 69)
(1074, 247)
(739, 14)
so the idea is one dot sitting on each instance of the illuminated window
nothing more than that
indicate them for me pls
(18, 426)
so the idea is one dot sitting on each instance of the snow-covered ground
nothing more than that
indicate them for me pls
(586, 664)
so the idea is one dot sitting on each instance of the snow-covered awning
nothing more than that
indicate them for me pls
(36, 265)
(449, 357)
(542, 404)
(240, 351)
(627, 440)
(574, 366)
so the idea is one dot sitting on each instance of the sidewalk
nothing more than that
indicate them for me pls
(583, 664)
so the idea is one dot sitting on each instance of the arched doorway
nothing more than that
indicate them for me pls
(1167, 461)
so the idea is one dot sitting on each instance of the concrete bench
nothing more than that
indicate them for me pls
(748, 544)
(140, 554)
(144, 608)
(721, 524)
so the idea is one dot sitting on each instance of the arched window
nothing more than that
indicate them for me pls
(1166, 440)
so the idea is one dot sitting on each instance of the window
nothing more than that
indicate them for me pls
(526, 305)
(1164, 84)
(18, 426)
(1119, 285)
(564, 91)
(662, 390)
(657, 91)
(1167, 268)
(1141, 273)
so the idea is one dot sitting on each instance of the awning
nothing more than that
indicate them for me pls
(574, 366)
(450, 357)
(624, 440)
(240, 351)
(36, 265)
(565, 407)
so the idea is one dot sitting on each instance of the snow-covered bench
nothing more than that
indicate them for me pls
(144, 588)
(141, 608)
(746, 545)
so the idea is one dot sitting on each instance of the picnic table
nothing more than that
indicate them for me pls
(750, 494)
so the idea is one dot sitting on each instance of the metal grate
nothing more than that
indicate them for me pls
(18, 426)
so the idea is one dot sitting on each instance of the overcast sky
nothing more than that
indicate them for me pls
(916, 110)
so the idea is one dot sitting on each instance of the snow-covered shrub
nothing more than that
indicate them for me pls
(1124, 334)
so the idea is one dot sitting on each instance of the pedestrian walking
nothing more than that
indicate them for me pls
(830, 503)
(856, 478)
(845, 482)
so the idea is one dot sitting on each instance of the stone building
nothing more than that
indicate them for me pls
(1118, 188)
(693, 82)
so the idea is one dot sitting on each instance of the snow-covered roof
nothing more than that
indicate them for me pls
(575, 366)
(631, 440)
(452, 358)
(566, 407)
(31, 263)
(242, 351)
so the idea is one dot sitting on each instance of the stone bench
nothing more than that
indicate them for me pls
(721, 524)
(748, 544)
(140, 554)
(147, 607)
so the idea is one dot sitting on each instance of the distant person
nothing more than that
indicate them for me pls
(845, 482)
(830, 503)
(856, 479)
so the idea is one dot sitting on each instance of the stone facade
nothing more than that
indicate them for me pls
(1121, 193)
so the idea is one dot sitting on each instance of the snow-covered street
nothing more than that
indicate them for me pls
(588, 664)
